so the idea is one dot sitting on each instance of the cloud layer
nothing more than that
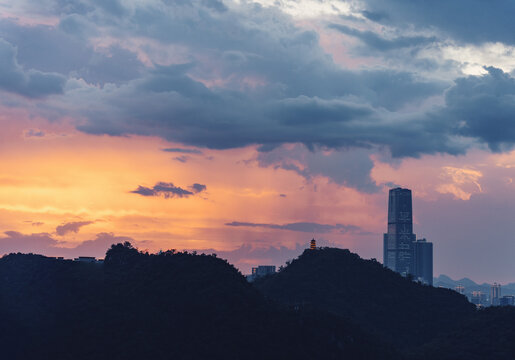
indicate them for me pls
(309, 227)
(230, 74)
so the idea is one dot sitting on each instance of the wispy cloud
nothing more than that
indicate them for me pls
(309, 227)
(183, 151)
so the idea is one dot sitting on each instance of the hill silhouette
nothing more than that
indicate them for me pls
(400, 311)
(489, 334)
(172, 305)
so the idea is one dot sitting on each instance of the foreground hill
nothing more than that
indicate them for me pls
(402, 312)
(489, 334)
(166, 306)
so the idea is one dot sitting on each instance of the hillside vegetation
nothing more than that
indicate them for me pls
(402, 312)
(166, 306)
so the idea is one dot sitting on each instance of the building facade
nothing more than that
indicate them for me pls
(423, 251)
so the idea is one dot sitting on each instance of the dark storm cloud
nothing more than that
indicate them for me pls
(169, 190)
(472, 21)
(379, 43)
(483, 107)
(304, 98)
(168, 103)
(301, 226)
(69, 227)
(278, 84)
(29, 83)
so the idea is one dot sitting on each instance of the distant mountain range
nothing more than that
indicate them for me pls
(446, 282)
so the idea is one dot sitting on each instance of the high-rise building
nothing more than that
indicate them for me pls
(507, 300)
(478, 298)
(495, 294)
(423, 251)
(261, 270)
(398, 241)
(401, 251)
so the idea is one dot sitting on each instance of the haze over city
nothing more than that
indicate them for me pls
(246, 128)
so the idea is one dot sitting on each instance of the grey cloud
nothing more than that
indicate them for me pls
(483, 107)
(297, 94)
(350, 167)
(216, 5)
(170, 104)
(196, 188)
(183, 151)
(182, 159)
(65, 50)
(168, 190)
(34, 133)
(71, 227)
(300, 226)
(113, 7)
(379, 43)
(473, 21)
(29, 83)
(305, 98)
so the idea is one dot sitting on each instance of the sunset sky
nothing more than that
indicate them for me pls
(246, 128)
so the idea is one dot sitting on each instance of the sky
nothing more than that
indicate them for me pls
(246, 128)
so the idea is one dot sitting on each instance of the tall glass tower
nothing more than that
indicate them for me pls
(398, 250)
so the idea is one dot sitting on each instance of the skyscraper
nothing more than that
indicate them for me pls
(398, 241)
(401, 251)
(423, 251)
(495, 294)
